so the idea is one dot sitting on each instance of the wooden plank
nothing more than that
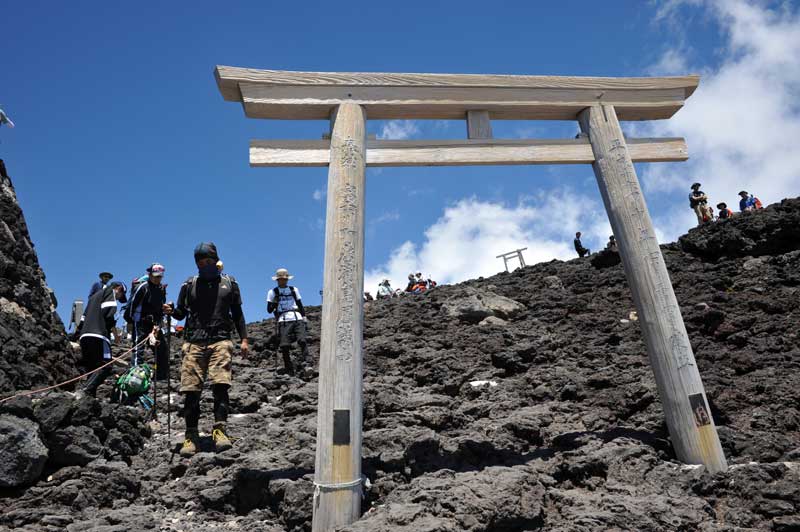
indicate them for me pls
(229, 78)
(337, 500)
(479, 125)
(315, 102)
(680, 387)
(460, 152)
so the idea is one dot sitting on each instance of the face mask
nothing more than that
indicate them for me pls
(208, 271)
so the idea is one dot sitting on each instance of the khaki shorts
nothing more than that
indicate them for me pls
(199, 360)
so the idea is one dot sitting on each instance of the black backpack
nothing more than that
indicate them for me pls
(277, 295)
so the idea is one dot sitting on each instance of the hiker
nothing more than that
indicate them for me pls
(582, 251)
(285, 303)
(612, 244)
(105, 277)
(724, 211)
(698, 201)
(212, 305)
(385, 290)
(145, 313)
(368, 297)
(412, 283)
(749, 202)
(97, 323)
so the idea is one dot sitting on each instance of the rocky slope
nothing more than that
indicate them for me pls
(33, 346)
(519, 402)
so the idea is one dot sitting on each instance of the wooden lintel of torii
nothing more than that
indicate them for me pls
(598, 105)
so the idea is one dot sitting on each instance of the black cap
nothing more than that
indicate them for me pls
(696, 185)
(124, 298)
(110, 275)
(742, 192)
(205, 250)
(722, 205)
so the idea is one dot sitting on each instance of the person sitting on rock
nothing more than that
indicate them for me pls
(582, 251)
(748, 202)
(412, 283)
(724, 211)
(385, 290)
(285, 303)
(97, 324)
(368, 297)
(212, 305)
(612, 244)
(698, 201)
(145, 312)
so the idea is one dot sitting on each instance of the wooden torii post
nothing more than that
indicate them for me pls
(598, 104)
(516, 253)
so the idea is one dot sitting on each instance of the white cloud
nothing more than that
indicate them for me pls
(387, 216)
(466, 240)
(398, 129)
(318, 194)
(743, 122)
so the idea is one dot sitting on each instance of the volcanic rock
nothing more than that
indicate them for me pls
(33, 346)
(549, 420)
(22, 451)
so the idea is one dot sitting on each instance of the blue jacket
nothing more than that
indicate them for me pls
(746, 203)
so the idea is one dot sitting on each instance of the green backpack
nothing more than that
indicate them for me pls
(133, 385)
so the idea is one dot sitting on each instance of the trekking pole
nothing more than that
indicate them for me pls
(169, 384)
(154, 347)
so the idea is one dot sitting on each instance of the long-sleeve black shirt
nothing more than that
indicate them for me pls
(212, 308)
(98, 319)
(146, 304)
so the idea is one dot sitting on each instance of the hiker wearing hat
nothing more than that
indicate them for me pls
(96, 326)
(698, 201)
(724, 211)
(212, 305)
(285, 303)
(748, 202)
(385, 290)
(105, 277)
(144, 313)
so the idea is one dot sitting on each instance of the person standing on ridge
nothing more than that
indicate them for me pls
(212, 305)
(582, 251)
(97, 323)
(145, 313)
(698, 201)
(285, 303)
(612, 244)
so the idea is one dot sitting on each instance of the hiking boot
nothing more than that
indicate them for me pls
(221, 441)
(190, 444)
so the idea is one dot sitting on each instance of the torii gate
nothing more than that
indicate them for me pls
(348, 99)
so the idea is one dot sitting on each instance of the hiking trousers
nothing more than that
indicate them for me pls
(96, 352)
(140, 331)
(290, 332)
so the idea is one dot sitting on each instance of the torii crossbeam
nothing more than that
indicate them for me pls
(597, 104)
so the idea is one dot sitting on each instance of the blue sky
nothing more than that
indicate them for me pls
(125, 153)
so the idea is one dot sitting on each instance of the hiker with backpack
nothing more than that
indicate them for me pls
(212, 305)
(144, 313)
(749, 202)
(284, 302)
(96, 325)
(724, 211)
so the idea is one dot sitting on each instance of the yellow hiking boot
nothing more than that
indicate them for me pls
(190, 444)
(221, 440)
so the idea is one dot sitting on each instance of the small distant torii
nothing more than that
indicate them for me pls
(510, 255)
